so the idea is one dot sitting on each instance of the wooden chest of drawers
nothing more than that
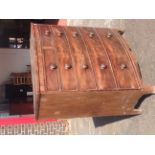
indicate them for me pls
(81, 71)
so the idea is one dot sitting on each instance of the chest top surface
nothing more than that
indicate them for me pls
(81, 59)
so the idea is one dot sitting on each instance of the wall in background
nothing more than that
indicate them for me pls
(11, 60)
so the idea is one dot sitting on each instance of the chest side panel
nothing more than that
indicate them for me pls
(34, 68)
(122, 66)
(88, 104)
(82, 64)
(101, 64)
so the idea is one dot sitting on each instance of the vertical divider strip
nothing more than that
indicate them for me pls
(40, 49)
(43, 58)
(36, 83)
(59, 81)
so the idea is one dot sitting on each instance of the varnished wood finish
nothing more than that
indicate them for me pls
(37, 61)
(77, 104)
(80, 71)
(35, 71)
(85, 76)
(49, 57)
(117, 53)
(64, 57)
(105, 79)
(132, 57)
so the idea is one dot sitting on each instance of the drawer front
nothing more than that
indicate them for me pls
(82, 64)
(101, 64)
(49, 56)
(68, 78)
(122, 66)
(71, 58)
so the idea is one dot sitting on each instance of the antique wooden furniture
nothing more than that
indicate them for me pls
(21, 106)
(81, 71)
(19, 93)
(20, 99)
(23, 78)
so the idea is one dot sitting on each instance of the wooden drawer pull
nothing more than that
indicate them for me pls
(103, 66)
(91, 34)
(109, 35)
(75, 34)
(47, 32)
(53, 66)
(85, 66)
(123, 66)
(60, 34)
(68, 66)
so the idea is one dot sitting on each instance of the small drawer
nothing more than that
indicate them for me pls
(121, 63)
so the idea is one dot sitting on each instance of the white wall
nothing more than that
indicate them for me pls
(111, 23)
(11, 60)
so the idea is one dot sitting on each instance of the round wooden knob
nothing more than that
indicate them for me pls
(47, 32)
(109, 35)
(75, 34)
(91, 34)
(123, 66)
(85, 66)
(103, 66)
(60, 34)
(68, 66)
(53, 66)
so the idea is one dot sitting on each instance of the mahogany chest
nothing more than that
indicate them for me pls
(84, 71)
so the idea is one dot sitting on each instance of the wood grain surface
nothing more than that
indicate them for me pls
(83, 71)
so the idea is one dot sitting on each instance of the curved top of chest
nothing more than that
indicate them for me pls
(82, 59)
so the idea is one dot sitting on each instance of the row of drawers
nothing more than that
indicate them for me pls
(72, 58)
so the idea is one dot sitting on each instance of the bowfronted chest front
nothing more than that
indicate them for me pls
(83, 71)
